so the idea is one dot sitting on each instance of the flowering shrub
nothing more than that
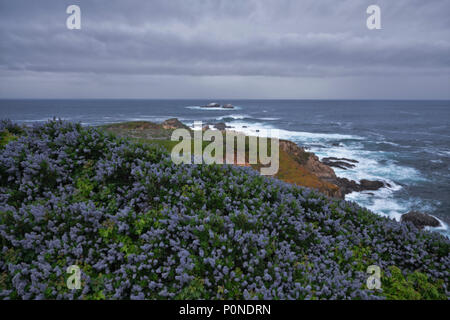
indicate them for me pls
(140, 227)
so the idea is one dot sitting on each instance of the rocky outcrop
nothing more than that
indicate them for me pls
(174, 123)
(340, 159)
(371, 185)
(298, 153)
(420, 220)
(212, 105)
(348, 186)
(320, 169)
(342, 163)
(217, 105)
(309, 160)
(220, 126)
(311, 164)
(324, 172)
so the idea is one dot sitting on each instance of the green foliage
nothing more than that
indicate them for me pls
(413, 286)
(84, 188)
(194, 291)
(6, 137)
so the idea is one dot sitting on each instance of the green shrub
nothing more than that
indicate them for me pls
(413, 286)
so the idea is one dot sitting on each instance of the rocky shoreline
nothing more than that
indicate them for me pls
(323, 170)
(308, 163)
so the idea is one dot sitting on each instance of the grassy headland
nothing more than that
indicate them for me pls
(292, 166)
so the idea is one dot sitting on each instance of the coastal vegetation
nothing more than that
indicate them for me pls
(140, 227)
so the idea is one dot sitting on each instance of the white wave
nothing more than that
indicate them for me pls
(384, 203)
(268, 119)
(233, 116)
(389, 143)
(372, 165)
(261, 129)
(443, 228)
(381, 202)
(245, 116)
(41, 120)
(211, 109)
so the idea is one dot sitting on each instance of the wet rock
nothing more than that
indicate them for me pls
(420, 220)
(371, 185)
(325, 172)
(342, 163)
(220, 126)
(228, 106)
(342, 159)
(348, 186)
(338, 164)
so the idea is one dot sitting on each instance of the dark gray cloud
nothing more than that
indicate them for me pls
(209, 46)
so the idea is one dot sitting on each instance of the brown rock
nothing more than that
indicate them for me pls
(173, 124)
(342, 163)
(311, 163)
(320, 169)
(371, 185)
(420, 220)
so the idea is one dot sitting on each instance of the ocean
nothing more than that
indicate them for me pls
(404, 143)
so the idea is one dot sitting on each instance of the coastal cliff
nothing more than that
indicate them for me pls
(297, 166)
(307, 170)
(333, 185)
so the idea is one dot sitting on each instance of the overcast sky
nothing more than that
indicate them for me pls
(225, 49)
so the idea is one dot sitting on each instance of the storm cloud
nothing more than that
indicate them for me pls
(239, 49)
